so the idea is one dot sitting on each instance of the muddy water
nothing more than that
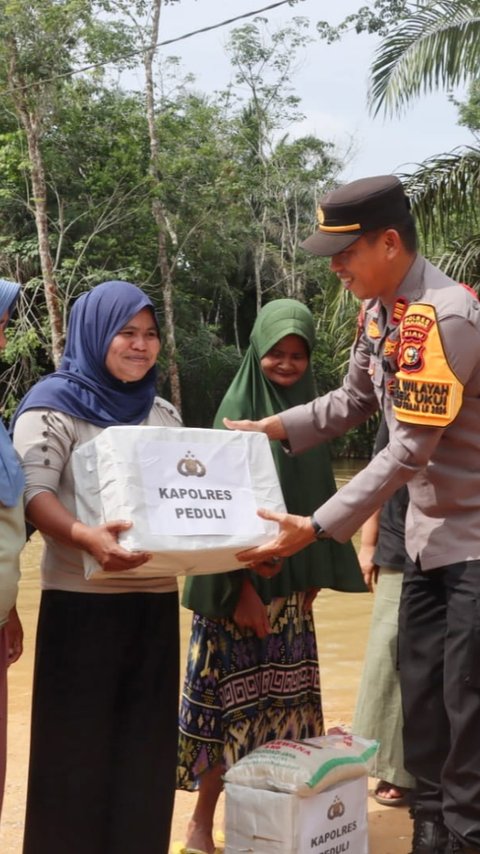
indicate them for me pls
(342, 623)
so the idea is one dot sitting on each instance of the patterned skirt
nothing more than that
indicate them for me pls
(241, 691)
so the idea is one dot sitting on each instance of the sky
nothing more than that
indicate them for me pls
(331, 81)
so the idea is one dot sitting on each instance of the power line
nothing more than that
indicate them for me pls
(132, 53)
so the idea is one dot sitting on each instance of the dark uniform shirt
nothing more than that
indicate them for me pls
(390, 549)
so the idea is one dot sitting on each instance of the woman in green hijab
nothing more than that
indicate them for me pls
(252, 670)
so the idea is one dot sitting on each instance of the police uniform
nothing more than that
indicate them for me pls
(417, 358)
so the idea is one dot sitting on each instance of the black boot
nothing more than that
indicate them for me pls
(430, 836)
(456, 847)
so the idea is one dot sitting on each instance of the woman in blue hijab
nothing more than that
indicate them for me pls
(12, 539)
(105, 698)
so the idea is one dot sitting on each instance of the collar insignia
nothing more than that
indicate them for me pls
(399, 310)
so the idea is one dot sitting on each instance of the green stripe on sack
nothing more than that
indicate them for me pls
(345, 760)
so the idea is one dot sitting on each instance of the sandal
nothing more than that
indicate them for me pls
(219, 839)
(180, 848)
(399, 800)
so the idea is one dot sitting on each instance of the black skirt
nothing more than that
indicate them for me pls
(104, 724)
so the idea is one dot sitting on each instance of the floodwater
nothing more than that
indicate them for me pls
(341, 620)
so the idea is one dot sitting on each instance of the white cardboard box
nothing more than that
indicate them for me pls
(191, 494)
(265, 822)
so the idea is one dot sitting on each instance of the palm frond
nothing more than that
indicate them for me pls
(462, 262)
(437, 47)
(339, 320)
(444, 189)
(445, 196)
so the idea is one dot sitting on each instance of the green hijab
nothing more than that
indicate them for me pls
(307, 480)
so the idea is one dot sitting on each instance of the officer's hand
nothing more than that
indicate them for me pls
(272, 426)
(295, 533)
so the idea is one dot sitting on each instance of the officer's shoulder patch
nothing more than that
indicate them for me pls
(426, 389)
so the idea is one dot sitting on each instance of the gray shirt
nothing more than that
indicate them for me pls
(45, 439)
(429, 389)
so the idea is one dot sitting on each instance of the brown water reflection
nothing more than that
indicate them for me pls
(342, 624)
(346, 469)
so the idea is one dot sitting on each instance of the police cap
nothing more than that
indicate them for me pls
(348, 212)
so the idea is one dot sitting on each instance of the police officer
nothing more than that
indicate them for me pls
(417, 358)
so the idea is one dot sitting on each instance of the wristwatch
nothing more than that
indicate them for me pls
(318, 531)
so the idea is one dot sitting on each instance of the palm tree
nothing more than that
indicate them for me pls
(445, 195)
(438, 46)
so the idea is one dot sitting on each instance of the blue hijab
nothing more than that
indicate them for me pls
(11, 475)
(82, 386)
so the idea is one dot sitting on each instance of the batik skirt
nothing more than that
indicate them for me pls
(241, 691)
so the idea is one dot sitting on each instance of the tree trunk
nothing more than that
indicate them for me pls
(160, 215)
(31, 124)
(39, 188)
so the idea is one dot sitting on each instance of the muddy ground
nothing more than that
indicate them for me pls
(342, 624)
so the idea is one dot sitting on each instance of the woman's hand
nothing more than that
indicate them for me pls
(368, 566)
(368, 543)
(250, 612)
(310, 597)
(102, 543)
(268, 568)
(14, 631)
(51, 517)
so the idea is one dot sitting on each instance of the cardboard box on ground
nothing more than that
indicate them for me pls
(294, 797)
(191, 494)
(263, 822)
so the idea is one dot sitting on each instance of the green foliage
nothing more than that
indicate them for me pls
(207, 367)
(438, 45)
(336, 312)
(238, 192)
(264, 64)
(469, 110)
(20, 360)
(445, 193)
(376, 18)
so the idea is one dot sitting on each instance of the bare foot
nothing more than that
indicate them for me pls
(200, 838)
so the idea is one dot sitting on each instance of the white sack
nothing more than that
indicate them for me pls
(191, 494)
(304, 767)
